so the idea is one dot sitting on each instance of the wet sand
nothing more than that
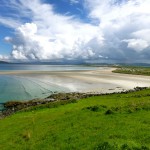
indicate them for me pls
(101, 80)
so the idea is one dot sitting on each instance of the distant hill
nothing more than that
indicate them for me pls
(134, 64)
(3, 62)
(74, 62)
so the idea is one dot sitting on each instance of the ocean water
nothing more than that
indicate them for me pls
(13, 67)
(23, 87)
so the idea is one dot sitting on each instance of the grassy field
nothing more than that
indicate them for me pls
(133, 70)
(108, 122)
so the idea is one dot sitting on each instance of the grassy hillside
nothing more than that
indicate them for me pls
(133, 70)
(108, 122)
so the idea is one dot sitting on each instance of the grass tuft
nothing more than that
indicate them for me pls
(26, 135)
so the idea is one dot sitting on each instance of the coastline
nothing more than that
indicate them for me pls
(97, 81)
(101, 80)
(53, 100)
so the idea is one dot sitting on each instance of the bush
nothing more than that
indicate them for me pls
(93, 108)
(105, 146)
(109, 112)
(125, 147)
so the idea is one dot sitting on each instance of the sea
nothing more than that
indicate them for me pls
(19, 87)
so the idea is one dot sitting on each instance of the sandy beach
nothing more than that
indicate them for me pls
(101, 80)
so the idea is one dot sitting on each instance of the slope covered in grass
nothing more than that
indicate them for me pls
(108, 122)
(133, 70)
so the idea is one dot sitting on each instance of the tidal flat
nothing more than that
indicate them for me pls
(33, 84)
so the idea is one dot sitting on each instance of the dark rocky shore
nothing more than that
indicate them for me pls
(15, 106)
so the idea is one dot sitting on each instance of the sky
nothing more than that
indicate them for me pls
(75, 30)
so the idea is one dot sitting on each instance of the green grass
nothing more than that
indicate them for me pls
(108, 122)
(133, 70)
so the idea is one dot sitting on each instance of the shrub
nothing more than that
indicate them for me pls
(125, 147)
(93, 108)
(105, 146)
(109, 112)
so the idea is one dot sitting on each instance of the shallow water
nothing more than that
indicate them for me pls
(13, 67)
(25, 88)
(13, 87)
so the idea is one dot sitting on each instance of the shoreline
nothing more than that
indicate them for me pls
(12, 107)
(101, 80)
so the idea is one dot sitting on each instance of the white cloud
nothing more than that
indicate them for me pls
(52, 36)
(9, 22)
(8, 39)
(137, 44)
(143, 33)
(74, 1)
(122, 21)
(29, 43)
(122, 31)
(3, 58)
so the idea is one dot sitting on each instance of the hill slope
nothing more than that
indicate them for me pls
(109, 122)
(3, 62)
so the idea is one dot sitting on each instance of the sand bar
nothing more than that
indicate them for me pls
(101, 80)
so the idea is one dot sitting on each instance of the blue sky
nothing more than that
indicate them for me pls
(78, 30)
(5, 48)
